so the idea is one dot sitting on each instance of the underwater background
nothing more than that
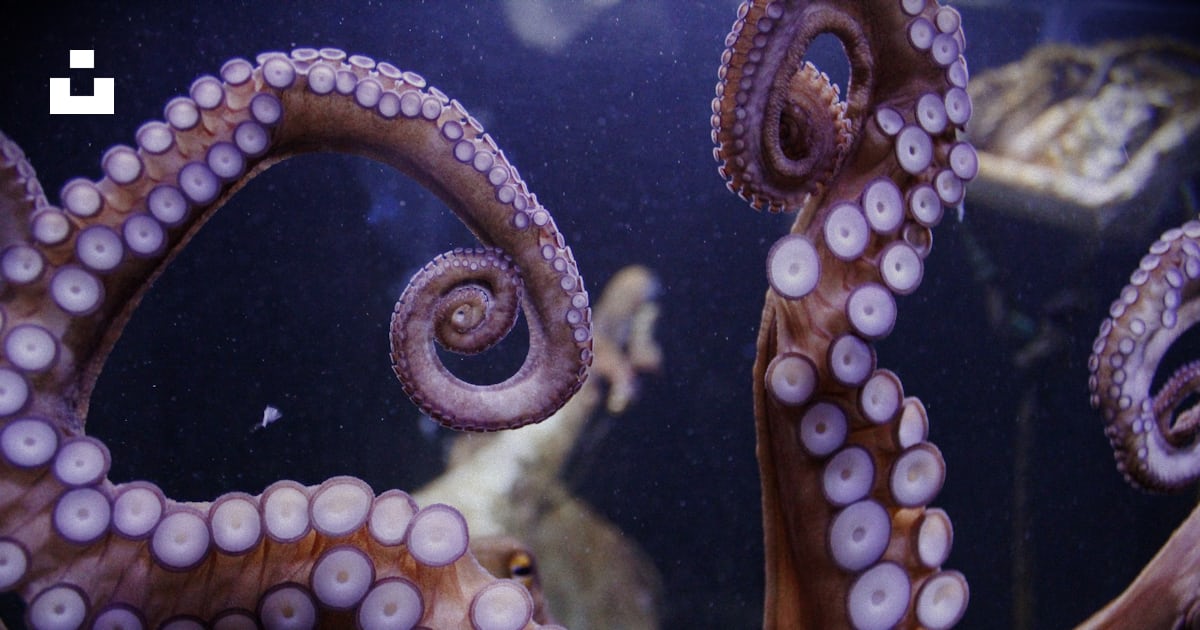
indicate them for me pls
(284, 298)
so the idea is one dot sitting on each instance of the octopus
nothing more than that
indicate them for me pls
(84, 550)
(508, 484)
(847, 470)
(1154, 434)
(1092, 139)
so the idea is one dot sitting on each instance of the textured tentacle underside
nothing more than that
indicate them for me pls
(847, 471)
(1154, 435)
(83, 550)
(1153, 440)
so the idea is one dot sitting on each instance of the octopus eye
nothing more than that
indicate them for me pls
(520, 565)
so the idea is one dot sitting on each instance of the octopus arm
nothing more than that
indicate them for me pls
(847, 470)
(83, 550)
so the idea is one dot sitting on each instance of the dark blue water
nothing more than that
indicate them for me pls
(284, 297)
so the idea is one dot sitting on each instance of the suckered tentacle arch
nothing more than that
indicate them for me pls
(847, 469)
(83, 550)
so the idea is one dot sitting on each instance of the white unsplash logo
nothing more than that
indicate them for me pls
(101, 101)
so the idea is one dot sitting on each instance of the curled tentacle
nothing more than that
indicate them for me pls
(1154, 441)
(780, 138)
(803, 136)
(467, 300)
(475, 313)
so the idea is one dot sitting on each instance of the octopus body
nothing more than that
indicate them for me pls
(847, 471)
(1153, 440)
(83, 550)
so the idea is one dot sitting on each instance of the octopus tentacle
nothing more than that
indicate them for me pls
(81, 549)
(1155, 447)
(472, 296)
(847, 471)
